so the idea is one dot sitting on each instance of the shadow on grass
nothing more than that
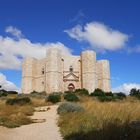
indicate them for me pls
(109, 131)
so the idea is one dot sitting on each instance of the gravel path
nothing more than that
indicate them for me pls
(47, 130)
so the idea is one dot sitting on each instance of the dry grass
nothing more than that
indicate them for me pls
(102, 121)
(16, 115)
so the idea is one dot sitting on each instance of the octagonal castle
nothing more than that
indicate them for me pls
(59, 73)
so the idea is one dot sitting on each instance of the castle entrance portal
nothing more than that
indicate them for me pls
(71, 87)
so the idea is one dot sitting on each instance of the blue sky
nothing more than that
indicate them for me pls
(116, 35)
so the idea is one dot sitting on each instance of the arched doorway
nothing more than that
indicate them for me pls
(71, 87)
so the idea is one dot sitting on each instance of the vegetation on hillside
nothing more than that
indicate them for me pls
(99, 115)
(103, 119)
(54, 97)
(71, 97)
(15, 109)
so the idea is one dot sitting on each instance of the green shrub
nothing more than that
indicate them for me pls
(109, 94)
(18, 101)
(54, 97)
(120, 95)
(3, 93)
(37, 94)
(134, 92)
(98, 92)
(69, 107)
(71, 97)
(82, 91)
(12, 92)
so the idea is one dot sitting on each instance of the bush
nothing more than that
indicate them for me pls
(54, 97)
(82, 91)
(3, 93)
(120, 95)
(98, 92)
(69, 107)
(109, 94)
(12, 92)
(37, 94)
(71, 97)
(18, 101)
(134, 92)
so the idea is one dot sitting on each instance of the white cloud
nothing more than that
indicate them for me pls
(7, 85)
(12, 51)
(133, 49)
(126, 87)
(14, 31)
(99, 36)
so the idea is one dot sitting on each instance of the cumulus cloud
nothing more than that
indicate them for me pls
(14, 31)
(13, 51)
(7, 85)
(126, 87)
(99, 36)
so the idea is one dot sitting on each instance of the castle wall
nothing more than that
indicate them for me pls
(40, 76)
(103, 74)
(89, 77)
(49, 74)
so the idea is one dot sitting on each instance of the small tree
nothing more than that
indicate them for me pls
(82, 91)
(71, 97)
(135, 92)
(98, 92)
(54, 97)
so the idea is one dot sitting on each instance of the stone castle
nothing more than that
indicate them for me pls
(59, 73)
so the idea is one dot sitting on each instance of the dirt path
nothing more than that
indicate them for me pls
(47, 130)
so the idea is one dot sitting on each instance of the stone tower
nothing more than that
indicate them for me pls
(58, 73)
(89, 77)
(28, 73)
(54, 78)
(103, 74)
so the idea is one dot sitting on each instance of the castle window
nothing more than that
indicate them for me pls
(43, 71)
(42, 83)
(71, 69)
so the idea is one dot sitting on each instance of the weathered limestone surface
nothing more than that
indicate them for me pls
(103, 74)
(57, 72)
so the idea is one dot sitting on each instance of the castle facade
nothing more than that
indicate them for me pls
(59, 73)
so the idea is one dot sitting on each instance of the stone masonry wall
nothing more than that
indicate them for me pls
(48, 74)
(89, 78)
(103, 74)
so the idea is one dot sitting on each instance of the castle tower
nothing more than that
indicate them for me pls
(103, 74)
(54, 77)
(28, 70)
(89, 78)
